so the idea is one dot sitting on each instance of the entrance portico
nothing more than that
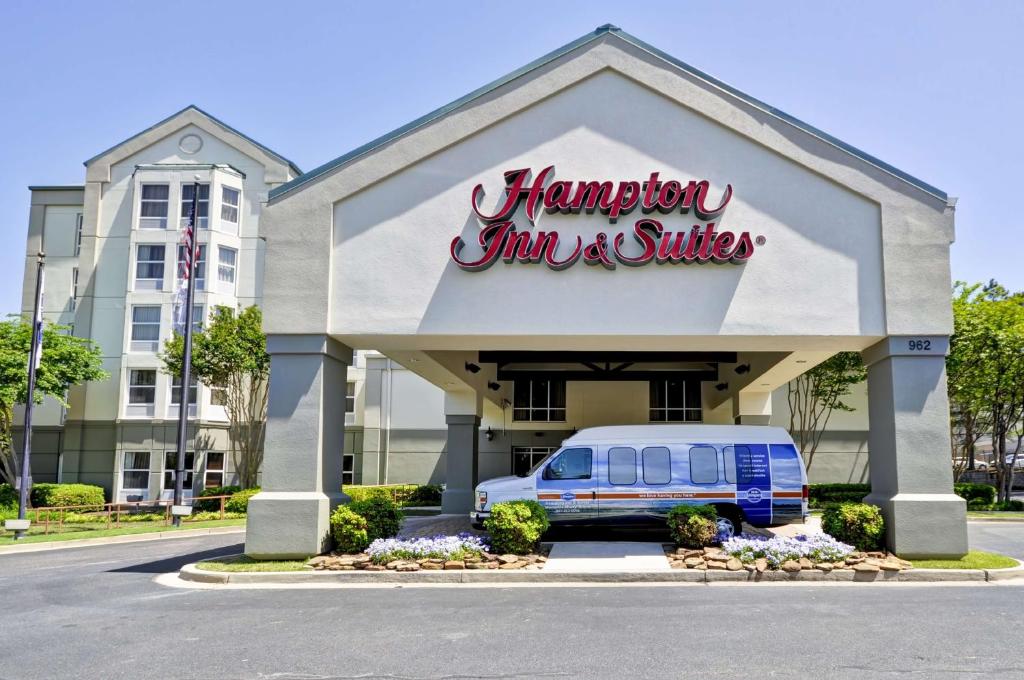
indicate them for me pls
(493, 241)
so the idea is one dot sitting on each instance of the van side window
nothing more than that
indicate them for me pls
(703, 465)
(657, 465)
(570, 464)
(622, 465)
(738, 465)
(786, 466)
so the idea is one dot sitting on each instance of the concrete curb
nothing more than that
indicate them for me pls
(111, 540)
(190, 572)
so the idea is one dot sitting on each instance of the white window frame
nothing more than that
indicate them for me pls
(140, 408)
(227, 207)
(148, 223)
(125, 470)
(207, 471)
(79, 220)
(348, 468)
(226, 285)
(150, 283)
(186, 205)
(74, 288)
(198, 267)
(136, 345)
(549, 412)
(686, 408)
(190, 474)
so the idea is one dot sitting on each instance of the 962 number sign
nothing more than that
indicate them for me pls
(919, 345)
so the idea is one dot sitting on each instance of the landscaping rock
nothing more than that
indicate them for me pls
(509, 565)
(454, 564)
(476, 565)
(375, 567)
(716, 564)
(806, 563)
(508, 559)
(865, 568)
(692, 561)
(890, 565)
(431, 565)
(713, 551)
(734, 564)
(393, 564)
(408, 566)
(791, 566)
(824, 566)
(761, 564)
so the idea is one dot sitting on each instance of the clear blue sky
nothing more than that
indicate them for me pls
(933, 88)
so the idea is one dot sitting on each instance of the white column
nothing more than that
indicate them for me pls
(752, 408)
(462, 411)
(302, 460)
(909, 447)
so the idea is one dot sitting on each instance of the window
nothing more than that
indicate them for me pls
(675, 400)
(226, 268)
(78, 234)
(141, 386)
(135, 471)
(622, 465)
(176, 391)
(149, 267)
(218, 396)
(170, 461)
(198, 318)
(350, 397)
(526, 458)
(229, 200)
(657, 465)
(202, 207)
(348, 465)
(145, 328)
(200, 265)
(153, 206)
(74, 287)
(703, 465)
(539, 400)
(214, 470)
(570, 464)
(739, 466)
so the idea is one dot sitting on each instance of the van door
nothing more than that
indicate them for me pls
(567, 486)
(635, 484)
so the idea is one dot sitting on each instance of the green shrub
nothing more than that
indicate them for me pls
(207, 515)
(8, 498)
(820, 495)
(67, 495)
(693, 526)
(984, 493)
(348, 530)
(978, 504)
(383, 517)
(516, 526)
(402, 494)
(1012, 506)
(200, 505)
(239, 501)
(859, 524)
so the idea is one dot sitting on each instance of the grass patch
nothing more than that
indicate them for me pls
(975, 559)
(243, 563)
(995, 514)
(72, 532)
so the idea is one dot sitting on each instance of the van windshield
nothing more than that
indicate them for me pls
(540, 463)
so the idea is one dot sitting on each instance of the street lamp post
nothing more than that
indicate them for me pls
(35, 353)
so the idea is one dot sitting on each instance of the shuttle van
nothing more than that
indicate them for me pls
(634, 474)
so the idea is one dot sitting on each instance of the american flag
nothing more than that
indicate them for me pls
(181, 315)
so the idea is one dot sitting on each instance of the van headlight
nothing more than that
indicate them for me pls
(481, 499)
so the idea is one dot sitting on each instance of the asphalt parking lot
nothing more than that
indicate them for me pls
(96, 613)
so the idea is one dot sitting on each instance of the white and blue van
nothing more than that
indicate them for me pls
(634, 474)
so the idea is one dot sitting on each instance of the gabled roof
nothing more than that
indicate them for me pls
(213, 119)
(600, 32)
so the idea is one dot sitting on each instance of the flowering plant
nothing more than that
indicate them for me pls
(778, 549)
(443, 547)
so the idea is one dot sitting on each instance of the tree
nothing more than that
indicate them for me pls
(969, 414)
(66, 361)
(987, 365)
(817, 393)
(230, 355)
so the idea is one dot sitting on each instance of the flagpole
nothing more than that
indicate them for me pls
(186, 360)
(34, 355)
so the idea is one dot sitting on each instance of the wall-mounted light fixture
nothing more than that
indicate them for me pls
(493, 386)
(472, 368)
(489, 434)
(742, 368)
(721, 387)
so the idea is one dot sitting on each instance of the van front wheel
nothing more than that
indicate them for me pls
(729, 526)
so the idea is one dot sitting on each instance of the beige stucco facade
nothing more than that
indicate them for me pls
(852, 255)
